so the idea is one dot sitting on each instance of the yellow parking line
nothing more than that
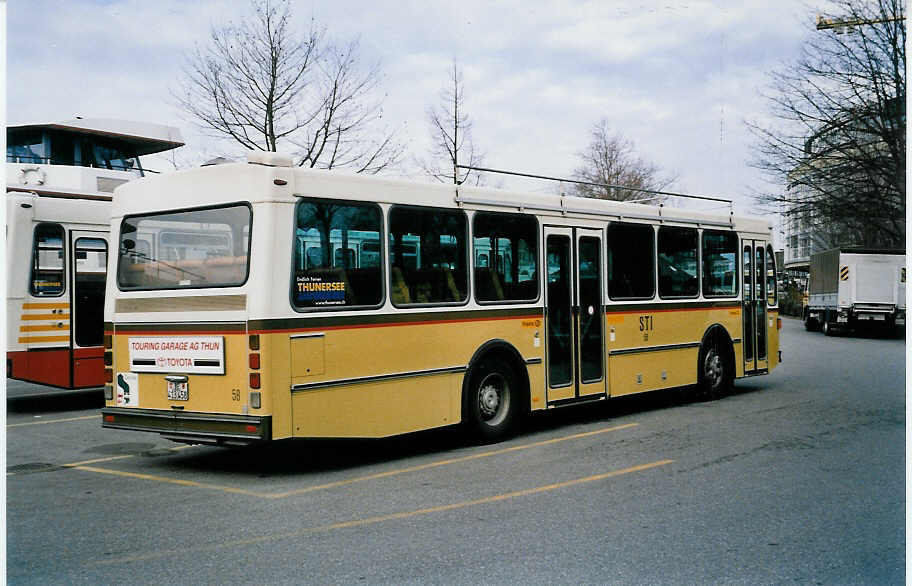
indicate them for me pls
(449, 462)
(121, 457)
(388, 473)
(165, 479)
(46, 421)
(105, 459)
(382, 518)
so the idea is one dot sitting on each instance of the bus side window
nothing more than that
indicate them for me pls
(631, 261)
(677, 261)
(48, 276)
(720, 263)
(324, 276)
(771, 281)
(498, 239)
(437, 273)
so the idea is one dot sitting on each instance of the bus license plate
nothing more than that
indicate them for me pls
(178, 391)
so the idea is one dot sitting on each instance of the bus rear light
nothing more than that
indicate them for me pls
(109, 375)
(255, 400)
(254, 341)
(778, 323)
(109, 393)
(254, 361)
(108, 358)
(108, 341)
(254, 380)
(251, 428)
(109, 418)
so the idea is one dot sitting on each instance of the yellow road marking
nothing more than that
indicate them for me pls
(383, 518)
(279, 495)
(105, 459)
(165, 479)
(448, 462)
(121, 457)
(388, 473)
(46, 421)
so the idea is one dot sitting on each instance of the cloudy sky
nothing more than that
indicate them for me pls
(677, 77)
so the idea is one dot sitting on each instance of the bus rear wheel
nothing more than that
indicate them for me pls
(491, 401)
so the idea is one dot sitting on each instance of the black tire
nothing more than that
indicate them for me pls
(715, 371)
(827, 327)
(810, 324)
(491, 401)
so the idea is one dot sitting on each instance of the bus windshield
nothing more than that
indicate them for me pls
(185, 249)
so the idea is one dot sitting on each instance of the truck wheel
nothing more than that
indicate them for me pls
(810, 324)
(827, 327)
(491, 401)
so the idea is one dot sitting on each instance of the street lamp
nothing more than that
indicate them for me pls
(848, 24)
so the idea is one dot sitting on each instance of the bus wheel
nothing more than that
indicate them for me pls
(491, 401)
(715, 374)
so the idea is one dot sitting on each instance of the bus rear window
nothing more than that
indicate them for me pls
(186, 249)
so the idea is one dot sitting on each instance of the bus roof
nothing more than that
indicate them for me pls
(145, 137)
(270, 177)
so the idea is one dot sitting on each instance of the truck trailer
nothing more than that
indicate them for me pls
(854, 288)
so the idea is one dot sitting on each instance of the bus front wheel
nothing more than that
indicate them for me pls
(715, 372)
(491, 401)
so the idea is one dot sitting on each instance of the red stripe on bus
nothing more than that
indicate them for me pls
(164, 332)
(406, 323)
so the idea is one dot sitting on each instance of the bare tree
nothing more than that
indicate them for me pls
(266, 87)
(610, 159)
(451, 133)
(836, 151)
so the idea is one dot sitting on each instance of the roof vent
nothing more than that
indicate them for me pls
(269, 159)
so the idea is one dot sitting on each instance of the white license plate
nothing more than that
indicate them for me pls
(178, 391)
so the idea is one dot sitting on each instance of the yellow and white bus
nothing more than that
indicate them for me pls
(260, 301)
(60, 177)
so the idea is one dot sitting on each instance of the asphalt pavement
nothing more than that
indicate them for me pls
(796, 477)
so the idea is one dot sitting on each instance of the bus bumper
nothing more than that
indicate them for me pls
(189, 427)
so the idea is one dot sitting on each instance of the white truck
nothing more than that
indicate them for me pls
(855, 288)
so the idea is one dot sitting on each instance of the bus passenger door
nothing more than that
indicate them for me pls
(559, 323)
(89, 254)
(753, 312)
(574, 352)
(590, 313)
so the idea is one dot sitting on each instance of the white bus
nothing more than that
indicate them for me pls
(449, 305)
(60, 177)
